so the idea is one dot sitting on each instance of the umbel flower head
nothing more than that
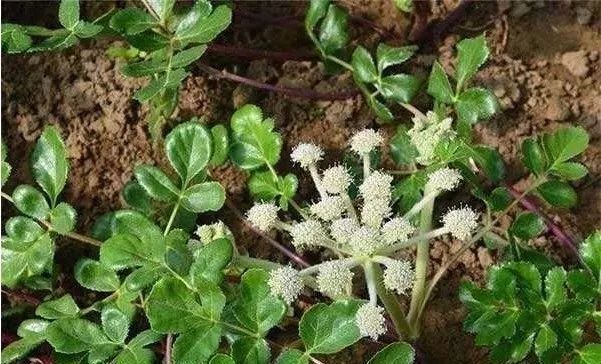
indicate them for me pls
(365, 141)
(285, 283)
(444, 179)
(374, 211)
(427, 133)
(398, 276)
(341, 230)
(396, 230)
(336, 179)
(306, 154)
(461, 223)
(333, 278)
(365, 240)
(307, 233)
(263, 216)
(370, 320)
(329, 208)
(376, 186)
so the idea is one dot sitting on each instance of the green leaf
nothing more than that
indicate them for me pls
(571, 171)
(22, 229)
(63, 307)
(263, 186)
(527, 226)
(49, 162)
(256, 309)
(292, 356)
(565, 143)
(402, 151)
(288, 186)
(5, 171)
(363, 65)
(558, 193)
(173, 307)
(198, 345)
(396, 353)
(533, 156)
(147, 41)
(404, 5)
(401, 87)
(221, 144)
(588, 354)
(382, 111)
(14, 40)
(555, 290)
(333, 34)
(189, 147)
(22, 261)
(156, 183)
(389, 56)
(162, 8)
(62, 218)
(203, 29)
(210, 261)
(221, 359)
(439, 86)
(590, 251)
(173, 78)
(144, 277)
(316, 11)
(68, 13)
(248, 350)
(73, 335)
(471, 54)
(55, 42)
(476, 104)
(114, 323)
(135, 355)
(131, 21)
(203, 197)
(31, 202)
(329, 329)
(583, 284)
(136, 197)
(126, 251)
(100, 354)
(255, 142)
(499, 199)
(93, 275)
(20, 348)
(84, 29)
(490, 160)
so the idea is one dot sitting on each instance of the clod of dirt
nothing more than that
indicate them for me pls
(583, 15)
(556, 110)
(576, 63)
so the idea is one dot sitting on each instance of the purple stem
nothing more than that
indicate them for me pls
(282, 249)
(530, 205)
(252, 54)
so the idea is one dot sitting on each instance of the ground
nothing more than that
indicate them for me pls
(545, 68)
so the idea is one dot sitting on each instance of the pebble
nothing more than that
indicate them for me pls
(583, 15)
(576, 63)
(556, 110)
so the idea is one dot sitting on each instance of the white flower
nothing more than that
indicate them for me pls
(427, 133)
(365, 240)
(306, 154)
(329, 208)
(365, 141)
(336, 179)
(374, 212)
(370, 321)
(398, 276)
(444, 179)
(396, 229)
(285, 283)
(333, 278)
(461, 223)
(376, 186)
(263, 216)
(342, 229)
(217, 230)
(307, 233)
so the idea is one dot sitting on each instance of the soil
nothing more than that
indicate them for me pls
(545, 68)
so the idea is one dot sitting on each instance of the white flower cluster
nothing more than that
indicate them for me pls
(306, 154)
(444, 179)
(398, 276)
(427, 133)
(263, 216)
(370, 320)
(285, 283)
(365, 141)
(333, 278)
(461, 223)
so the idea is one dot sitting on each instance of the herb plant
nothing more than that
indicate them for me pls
(163, 40)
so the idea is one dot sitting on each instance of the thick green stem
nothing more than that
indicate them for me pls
(421, 264)
(392, 306)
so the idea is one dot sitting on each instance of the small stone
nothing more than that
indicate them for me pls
(583, 15)
(593, 55)
(576, 63)
(499, 90)
(556, 110)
